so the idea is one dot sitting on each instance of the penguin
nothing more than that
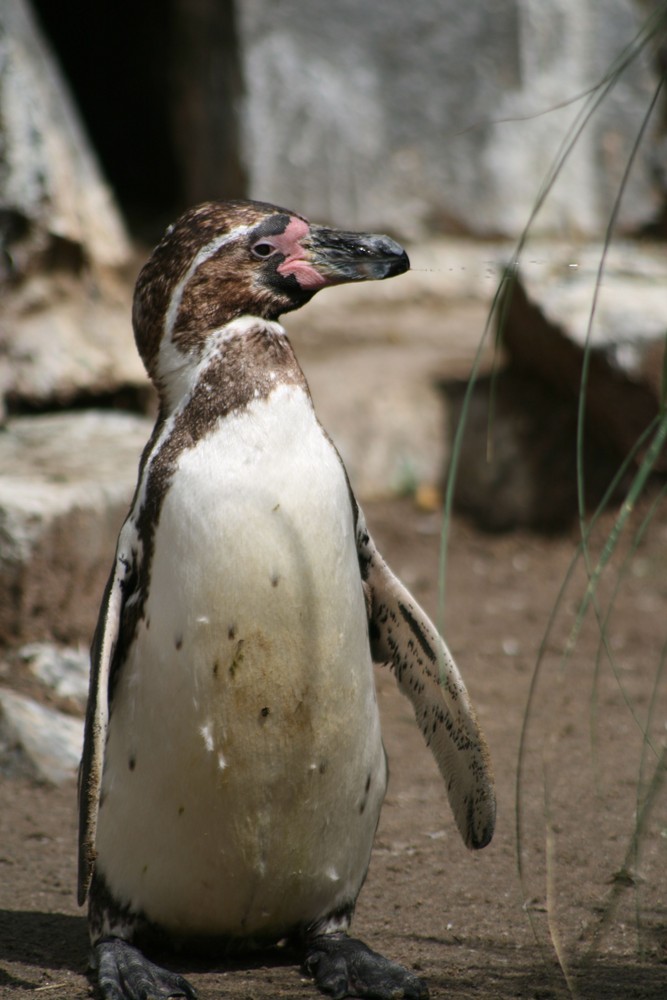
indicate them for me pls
(233, 768)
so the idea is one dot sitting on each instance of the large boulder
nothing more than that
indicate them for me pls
(569, 335)
(37, 741)
(555, 313)
(65, 329)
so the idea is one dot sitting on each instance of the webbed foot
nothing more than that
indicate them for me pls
(123, 973)
(342, 967)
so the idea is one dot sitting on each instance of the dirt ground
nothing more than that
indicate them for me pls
(470, 925)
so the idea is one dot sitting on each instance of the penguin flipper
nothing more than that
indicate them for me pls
(97, 714)
(402, 635)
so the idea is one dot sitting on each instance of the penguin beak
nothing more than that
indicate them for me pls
(340, 257)
(331, 257)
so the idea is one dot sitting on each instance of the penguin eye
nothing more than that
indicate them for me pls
(263, 250)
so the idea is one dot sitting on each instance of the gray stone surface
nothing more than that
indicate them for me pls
(66, 484)
(51, 188)
(65, 328)
(60, 671)
(518, 460)
(38, 741)
(630, 306)
(555, 314)
(445, 114)
(63, 340)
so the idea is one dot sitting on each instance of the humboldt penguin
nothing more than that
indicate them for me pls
(233, 768)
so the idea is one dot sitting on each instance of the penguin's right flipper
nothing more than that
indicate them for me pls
(125, 974)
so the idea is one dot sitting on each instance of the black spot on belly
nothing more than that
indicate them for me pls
(132, 763)
(368, 784)
(264, 713)
(238, 658)
(178, 642)
(231, 632)
(181, 810)
(323, 766)
(275, 580)
(216, 667)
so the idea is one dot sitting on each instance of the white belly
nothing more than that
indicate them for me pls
(244, 731)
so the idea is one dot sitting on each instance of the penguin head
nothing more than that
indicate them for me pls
(224, 260)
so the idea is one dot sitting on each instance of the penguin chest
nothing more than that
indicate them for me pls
(244, 770)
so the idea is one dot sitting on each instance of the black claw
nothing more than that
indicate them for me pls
(343, 966)
(123, 973)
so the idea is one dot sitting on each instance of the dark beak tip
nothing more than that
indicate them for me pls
(402, 263)
(395, 257)
(393, 265)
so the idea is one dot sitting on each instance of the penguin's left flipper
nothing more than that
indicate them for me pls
(344, 967)
(125, 974)
(402, 635)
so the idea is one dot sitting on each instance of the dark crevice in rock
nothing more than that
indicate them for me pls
(129, 398)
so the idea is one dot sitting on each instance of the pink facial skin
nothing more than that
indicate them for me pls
(295, 262)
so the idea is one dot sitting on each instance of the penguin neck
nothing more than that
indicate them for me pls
(244, 360)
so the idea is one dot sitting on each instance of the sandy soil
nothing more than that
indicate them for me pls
(470, 925)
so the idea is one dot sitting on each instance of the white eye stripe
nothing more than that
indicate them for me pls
(203, 255)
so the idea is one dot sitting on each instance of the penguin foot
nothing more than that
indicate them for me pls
(344, 967)
(123, 973)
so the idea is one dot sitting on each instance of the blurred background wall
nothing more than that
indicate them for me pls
(432, 116)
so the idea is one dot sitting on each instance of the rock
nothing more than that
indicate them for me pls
(546, 325)
(65, 331)
(447, 115)
(38, 741)
(52, 193)
(518, 460)
(63, 343)
(64, 672)
(70, 483)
